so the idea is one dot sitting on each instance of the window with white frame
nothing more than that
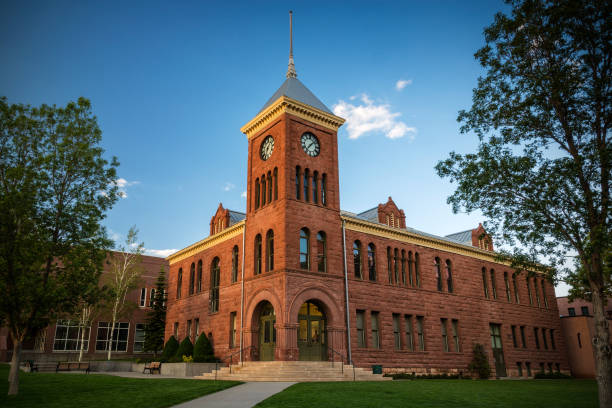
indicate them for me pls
(139, 336)
(68, 336)
(119, 337)
(143, 297)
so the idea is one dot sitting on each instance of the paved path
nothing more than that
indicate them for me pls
(241, 396)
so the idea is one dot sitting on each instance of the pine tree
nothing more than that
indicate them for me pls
(156, 319)
(480, 362)
(203, 351)
(170, 349)
(185, 349)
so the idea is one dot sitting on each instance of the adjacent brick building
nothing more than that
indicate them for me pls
(297, 278)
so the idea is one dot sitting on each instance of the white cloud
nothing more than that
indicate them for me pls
(114, 235)
(160, 252)
(243, 195)
(367, 116)
(228, 186)
(123, 184)
(402, 83)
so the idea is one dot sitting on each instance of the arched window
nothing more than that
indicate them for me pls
(449, 276)
(544, 294)
(199, 278)
(417, 270)
(315, 187)
(215, 275)
(298, 177)
(390, 265)
(529, 290)
(270, 251)
(438, 272)
(304, 249)
(484, 282)
(403, 267)
(257, 260)
(179, 283)
(357, 259)
(263, 190)
(507, 287)
(275, 183)
(324, 189)
(372, 262)
(493, 285)
(269, 187)
(321, 252)
(306, 177)
(515, 286)
(191, 279)
(396, 266)
(235, 263)
(410, 268)
(257, 193)
(537, 292)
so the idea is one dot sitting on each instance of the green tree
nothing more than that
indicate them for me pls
(55, 187)
(170, 349)
(480, 362)
(541, 175)
(203, 350)
(185, 349)
(156, 320)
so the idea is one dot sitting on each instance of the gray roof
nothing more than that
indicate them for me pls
(369, 215)
(294, 89)
(465, 237)
(236, 217)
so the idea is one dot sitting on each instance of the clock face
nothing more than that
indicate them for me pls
(310, 144)
(267, 147)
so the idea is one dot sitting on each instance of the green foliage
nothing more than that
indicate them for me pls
(185, 349)
(156, 319)
(203, 351)
(480, 363)
(413, 376)
(170, 349)
(187, 359)
(552, 376)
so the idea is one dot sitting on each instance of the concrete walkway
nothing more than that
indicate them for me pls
(241, 396)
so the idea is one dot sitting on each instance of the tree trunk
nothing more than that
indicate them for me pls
(603, 354)
(14, 373)
(81, 345)
(110, 341)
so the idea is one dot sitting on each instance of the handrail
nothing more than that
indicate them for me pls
(231, 357)
(341, 357)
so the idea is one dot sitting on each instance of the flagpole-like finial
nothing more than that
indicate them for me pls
(291, 69)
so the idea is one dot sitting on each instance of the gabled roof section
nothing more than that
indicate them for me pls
(236, 216)
(369, 215)
(294, 89)
(464, 237)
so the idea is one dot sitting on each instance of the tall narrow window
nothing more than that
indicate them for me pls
(269, 187)
(304, 249)
(298, 177)
(196, 328)
(449, 276)
(417, 270)
(493, 285)
(189, 329)
(455, 326)
(199, 277)
(152, 297)
(507, 286)
(306, 185)
(444, 335)
(235, 263)
(396, 266)
(523, 341)
(192, 279)
(275, 183)
(270, 251)
(536, 336)
(357, 259)
(515, 287)
(372, 262)
(552, 339)
(537, 292)
(232, 334)
(257, 193)
(324, 189)
(375, 331)
(258, 254)
(143, 297)
(396, 331)
(579, 340)
(389, 265)
(438, 273)
(361, 328)
(315, 187)
(403, 267)
(321, 252)
(420, 334)
(544, 339)
(514, 340)
(484, 283)
(409, 338)
(179, 283)
(263, 190)
(410, 268)
(529, 291)
(215, 275)
(544, 294)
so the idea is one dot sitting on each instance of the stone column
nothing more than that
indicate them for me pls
(286, 342)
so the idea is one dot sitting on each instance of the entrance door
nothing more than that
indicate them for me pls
(312, 335)
(498, 351)
(267, 333)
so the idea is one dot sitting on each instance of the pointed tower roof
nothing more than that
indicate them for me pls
(294, 89)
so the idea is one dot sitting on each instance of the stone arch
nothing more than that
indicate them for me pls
(326, 301)
(255, 302)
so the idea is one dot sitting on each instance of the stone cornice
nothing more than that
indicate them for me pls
(293, 107)
(213, 240)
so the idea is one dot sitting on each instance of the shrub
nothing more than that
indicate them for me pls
(187, 359)
(169, 349)
(185, 349)
(480, 362)
(552, 376)
(203, 351)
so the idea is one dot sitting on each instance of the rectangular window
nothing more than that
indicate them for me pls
(493, 285)
(143, 297)
(496, 339)
(455, 326)
(536, 336)
(542, 368)
(68, 335)
(523, 342)
(544, 340)
(409, 338)
(444, 335)
(375, 331)
(519, 366)
(396, 331)
(529, 291)
(189, 329)
(528, 367)
(139, 336)
(151, 297)
(420, 333)
(552, 339)
(584, 310)
(196, 328)
(175, 331)
(118, 339)
(361, 329)
(484, 283)
(233, 329)
(571, 311)
(514, 342)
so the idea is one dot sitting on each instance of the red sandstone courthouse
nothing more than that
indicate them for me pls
(297, 278)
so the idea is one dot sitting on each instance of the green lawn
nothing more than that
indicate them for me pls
(68, 390)
(440, 394)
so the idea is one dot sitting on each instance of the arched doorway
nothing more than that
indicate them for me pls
(312, 334)
(267, 332)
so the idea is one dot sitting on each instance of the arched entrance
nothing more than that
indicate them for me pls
(267, 332)
(312, 333)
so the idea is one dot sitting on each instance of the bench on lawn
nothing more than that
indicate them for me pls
(72, 366)
(152, 367)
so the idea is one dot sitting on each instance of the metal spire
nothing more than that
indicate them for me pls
(291, 69)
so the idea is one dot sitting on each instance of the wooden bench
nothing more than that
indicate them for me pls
(72, 366)
(152, 367)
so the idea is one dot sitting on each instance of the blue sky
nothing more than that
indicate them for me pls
(172, 83)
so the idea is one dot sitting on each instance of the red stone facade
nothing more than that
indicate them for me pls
(287, 283)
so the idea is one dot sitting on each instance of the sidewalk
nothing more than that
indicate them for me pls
(241, 396)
